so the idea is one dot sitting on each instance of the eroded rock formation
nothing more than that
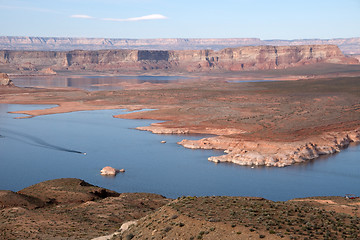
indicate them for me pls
(109, 171)
(5, 80)
(277, 154)
(229, 59)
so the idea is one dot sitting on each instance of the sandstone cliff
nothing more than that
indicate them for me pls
(229, 59)
(346, 45)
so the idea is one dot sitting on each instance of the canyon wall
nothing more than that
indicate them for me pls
(346, 45)
(228, 59)
(258, 57)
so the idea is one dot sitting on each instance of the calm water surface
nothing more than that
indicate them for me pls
(35, 149)
(252, 80)
(91, 83)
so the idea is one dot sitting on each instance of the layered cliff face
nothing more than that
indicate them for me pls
(229, 59)
(259, 57)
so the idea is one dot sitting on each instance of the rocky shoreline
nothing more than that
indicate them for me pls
(265, 153)
(266, 124)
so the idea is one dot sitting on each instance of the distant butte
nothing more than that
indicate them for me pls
(228, 59)
(346, 45)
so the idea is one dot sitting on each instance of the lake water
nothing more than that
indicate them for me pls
(251, 81)
(90, 83)
(34, 150)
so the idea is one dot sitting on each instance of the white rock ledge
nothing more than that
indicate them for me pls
(274, 154)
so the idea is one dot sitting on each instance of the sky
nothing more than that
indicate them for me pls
(264, 19)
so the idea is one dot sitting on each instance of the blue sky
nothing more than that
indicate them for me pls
(276, 19)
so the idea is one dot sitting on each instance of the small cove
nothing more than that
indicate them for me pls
(167, 169)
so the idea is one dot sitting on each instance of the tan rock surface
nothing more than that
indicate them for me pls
(48, 71)
(109, 171)
(5, 80)
(278, 154)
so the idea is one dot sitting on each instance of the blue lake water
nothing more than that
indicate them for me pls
(91, 83)
(33, 150)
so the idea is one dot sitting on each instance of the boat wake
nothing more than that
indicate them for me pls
(34, 141)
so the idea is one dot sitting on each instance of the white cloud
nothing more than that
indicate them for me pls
(147, 17)
(81, 16)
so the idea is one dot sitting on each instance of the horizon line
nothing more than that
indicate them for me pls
(124, 38)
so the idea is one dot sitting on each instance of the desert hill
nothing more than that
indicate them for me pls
(70, 209)
(249, 218)
(87, 214)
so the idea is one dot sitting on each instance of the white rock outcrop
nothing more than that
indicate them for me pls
(275, 154)
(5, 80)
(109, 171)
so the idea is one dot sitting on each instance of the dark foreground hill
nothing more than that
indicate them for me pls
(74, 209)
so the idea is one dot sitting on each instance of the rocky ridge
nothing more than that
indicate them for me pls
(347, 45)
(228, 59)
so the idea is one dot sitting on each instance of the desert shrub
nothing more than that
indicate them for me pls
(129, 236)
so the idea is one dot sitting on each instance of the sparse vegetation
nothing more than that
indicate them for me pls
(73, 212)
(188, 217)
